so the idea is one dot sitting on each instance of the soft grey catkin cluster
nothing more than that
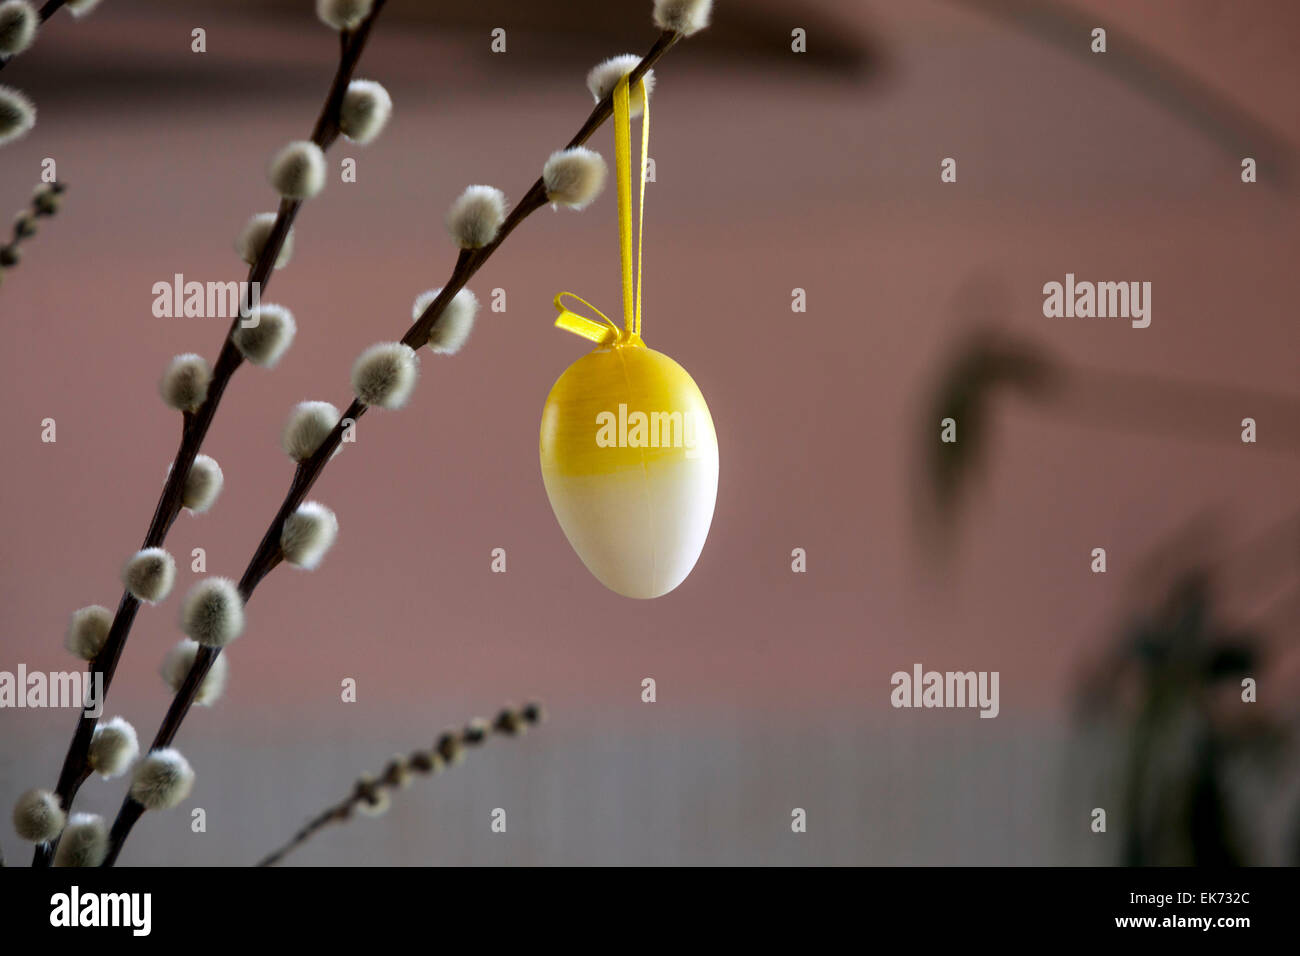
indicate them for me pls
(18, 23)
(178, 663)
(202, 484)
(476, 216)
(453, 327)
(309, 424)
(385, 374)
(149, 574)
(684, 16)
(364, 112)
(84, 841)
(253, 237)
(308, 534)
(88, 630)
(213, 612)
(185, 381)
(298, 170)
(162, 779)
(574, 177)
(38, 818)
(17, 114)
(265, 334)
(80, 8)
(343, 14)
(604, 77)
(112, 747)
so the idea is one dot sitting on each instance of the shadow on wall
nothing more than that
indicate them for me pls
(1201, 763)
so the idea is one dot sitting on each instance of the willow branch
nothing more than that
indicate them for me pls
(45, 202)
(268, 553)
(324, 133)
(370, 795)
(48, 10)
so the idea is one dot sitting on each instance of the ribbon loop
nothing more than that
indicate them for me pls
(581, 325)
(631, 332)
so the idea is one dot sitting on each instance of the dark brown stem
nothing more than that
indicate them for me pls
(50, 8)
(268, 554)
(126, 818)
(195, 429)
(471, 260)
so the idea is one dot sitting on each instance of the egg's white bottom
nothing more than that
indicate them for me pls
(639, 532)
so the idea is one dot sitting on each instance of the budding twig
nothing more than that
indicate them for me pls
(269, 552)
(370, 795)
(46, 201)
(195, 428)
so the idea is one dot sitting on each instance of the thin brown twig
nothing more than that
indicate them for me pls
(268, 553)
(48, 10)
(370, 794)
(45, 202)
(195, 428)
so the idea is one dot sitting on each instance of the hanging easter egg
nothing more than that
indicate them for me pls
(628, 451)
(630, 463)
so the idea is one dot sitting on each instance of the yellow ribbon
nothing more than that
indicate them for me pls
(590, 328)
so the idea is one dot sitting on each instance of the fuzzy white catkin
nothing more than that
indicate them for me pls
(88, 630)
(213, 612)
(268, 335)
(18, 23)
(202, 484)
(364, 112)
(604, 77)
(179, 661)
(574, 177)
(298, 170)
(476, 216)
(38, 818)
(252, 240)
(310, 423)
(308, 534)
(79, 8)
(185, 381)
(17, 114)
(385, 374)
(84, 841)
(684, 16)
(162, 779)
(343, 14)
(149, 575)
(453, 327)
(112, 747)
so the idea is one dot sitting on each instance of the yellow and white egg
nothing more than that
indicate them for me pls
(630, 462)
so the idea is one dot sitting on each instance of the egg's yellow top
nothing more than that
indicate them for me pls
(622, 407)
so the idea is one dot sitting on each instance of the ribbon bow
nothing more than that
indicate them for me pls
(610, 333)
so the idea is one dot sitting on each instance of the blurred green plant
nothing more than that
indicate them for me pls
(1173, 681)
